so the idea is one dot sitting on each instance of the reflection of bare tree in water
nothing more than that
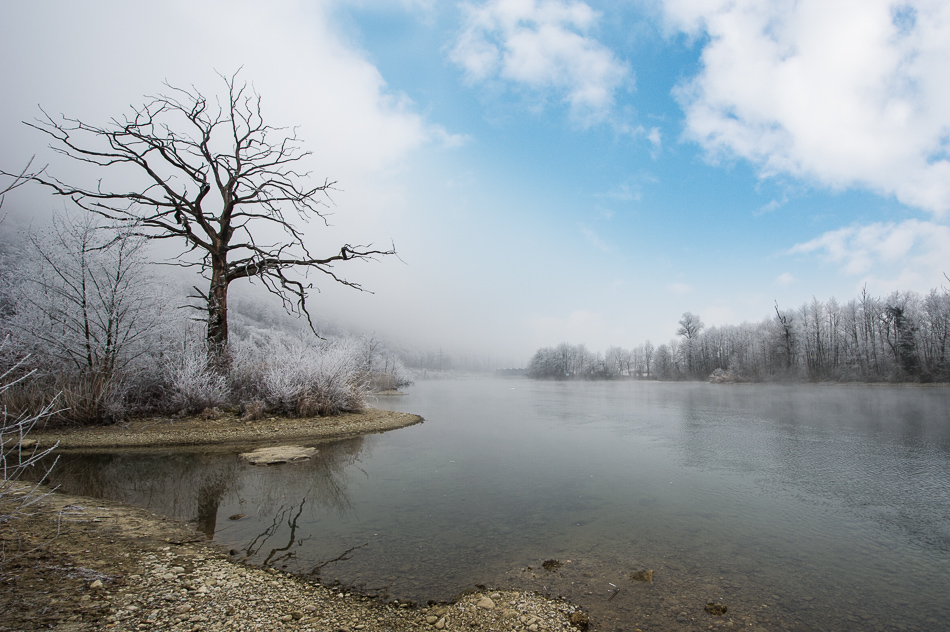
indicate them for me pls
(186, 485)
(284, 553)
(258, 543)
(211, 490)
(192, 486)
(322, 480)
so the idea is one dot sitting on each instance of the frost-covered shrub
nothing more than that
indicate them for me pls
(311, 380)
(80, 397)
(250, 355)
(390, 377)
(252, 410)
(382, 370)
(16, 453)
(298, 376)
(191, 386)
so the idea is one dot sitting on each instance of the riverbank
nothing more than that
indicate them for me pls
(74, 563)
(79, 564)
(223, 430)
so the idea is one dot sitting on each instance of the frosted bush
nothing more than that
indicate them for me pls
(16, 453)
(297, 375)
(310, 380)
(192, 386)
(253, 410)
(382, 370)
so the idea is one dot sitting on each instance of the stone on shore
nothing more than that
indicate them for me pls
(278, 454)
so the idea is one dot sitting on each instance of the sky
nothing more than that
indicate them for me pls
(552, 170)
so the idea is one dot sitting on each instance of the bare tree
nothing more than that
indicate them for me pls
(85, 300)
(215, 177)
(648, 350)
(787, 339)
(690, 326)
(617, 360)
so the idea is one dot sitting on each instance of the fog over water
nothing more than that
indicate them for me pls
(800, 507)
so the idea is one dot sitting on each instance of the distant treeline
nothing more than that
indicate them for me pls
(902, 338)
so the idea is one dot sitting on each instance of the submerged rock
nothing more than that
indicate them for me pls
(716, 608)
(278, 454)
(642, 576)
(579, 620)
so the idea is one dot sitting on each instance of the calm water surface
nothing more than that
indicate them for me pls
(800, 507)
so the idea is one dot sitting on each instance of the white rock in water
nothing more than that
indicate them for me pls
(278, 454)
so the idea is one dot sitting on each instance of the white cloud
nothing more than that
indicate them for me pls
(622, 192)
(848, 93)
(773, 205)
(291, 51)
(543, 46)
(656, 140)
(785, 279)
(362, 133)
(910, 255)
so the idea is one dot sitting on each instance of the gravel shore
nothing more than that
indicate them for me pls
(74, 564)
(77, 564)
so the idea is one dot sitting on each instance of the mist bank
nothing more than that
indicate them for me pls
(903, 337)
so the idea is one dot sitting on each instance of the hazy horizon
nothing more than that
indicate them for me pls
(552, 171)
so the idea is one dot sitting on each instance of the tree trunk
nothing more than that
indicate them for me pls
(218, 316)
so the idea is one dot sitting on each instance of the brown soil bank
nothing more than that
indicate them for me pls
(227, 429)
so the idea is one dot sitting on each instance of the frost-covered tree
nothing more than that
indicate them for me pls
(617, 361)
(84, 297)
(213, 177)
(690, 326)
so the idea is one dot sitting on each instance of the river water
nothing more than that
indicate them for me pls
(800, 507)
